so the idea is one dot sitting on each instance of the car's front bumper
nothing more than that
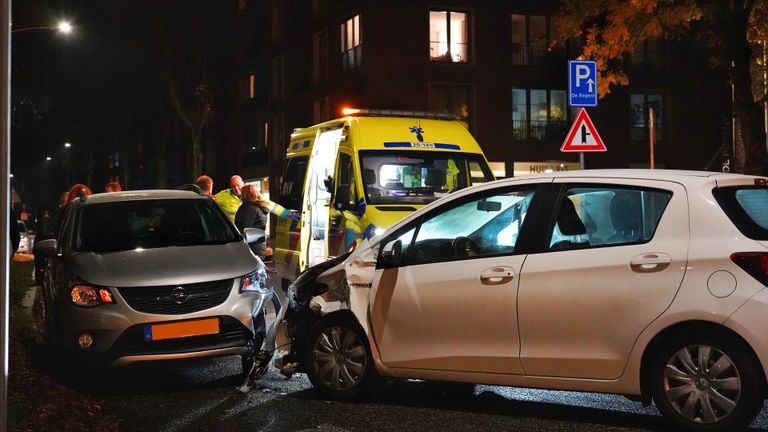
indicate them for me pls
(118, 331)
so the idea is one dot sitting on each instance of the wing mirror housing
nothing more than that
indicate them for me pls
(342, 198)
(46, 248)
(254, 235)
(392, 254)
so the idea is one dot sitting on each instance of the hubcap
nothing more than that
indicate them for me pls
(340, 358)
(702, 383)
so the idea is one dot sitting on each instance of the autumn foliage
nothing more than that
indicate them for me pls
(729, 30)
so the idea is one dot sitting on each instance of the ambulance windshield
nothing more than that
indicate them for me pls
(418, 177)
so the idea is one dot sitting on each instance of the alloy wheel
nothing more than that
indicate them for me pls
(702, 384)
(340, 358)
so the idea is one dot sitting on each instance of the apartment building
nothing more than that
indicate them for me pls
(490, 62)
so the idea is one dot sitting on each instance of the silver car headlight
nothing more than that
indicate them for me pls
(255, 281)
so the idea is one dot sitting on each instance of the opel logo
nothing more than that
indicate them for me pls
(179, 295)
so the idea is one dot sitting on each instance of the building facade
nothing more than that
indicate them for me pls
(491, 63)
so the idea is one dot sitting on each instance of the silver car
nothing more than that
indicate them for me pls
(153, 275)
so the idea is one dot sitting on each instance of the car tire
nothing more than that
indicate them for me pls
(710, 382)
(338, 360)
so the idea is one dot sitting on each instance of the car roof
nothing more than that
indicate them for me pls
(140, 195)
(679, 176)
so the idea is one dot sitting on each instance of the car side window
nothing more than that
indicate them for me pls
(595, 216)
(481, 226)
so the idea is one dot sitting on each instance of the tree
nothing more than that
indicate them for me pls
(727, 30)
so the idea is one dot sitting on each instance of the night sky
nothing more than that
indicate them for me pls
(99, 88)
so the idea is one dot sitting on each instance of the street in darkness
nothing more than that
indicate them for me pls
(201, 395)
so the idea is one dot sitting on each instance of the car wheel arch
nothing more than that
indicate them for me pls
(681, 329)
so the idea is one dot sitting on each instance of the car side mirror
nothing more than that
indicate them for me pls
(342, 198)
(392, 253)
(254, 235)
(46, 248)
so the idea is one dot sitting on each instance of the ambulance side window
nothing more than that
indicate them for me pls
(293, 182)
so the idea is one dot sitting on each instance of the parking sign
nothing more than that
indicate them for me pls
(582, 83)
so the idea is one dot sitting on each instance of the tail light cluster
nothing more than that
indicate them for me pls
(754, 263)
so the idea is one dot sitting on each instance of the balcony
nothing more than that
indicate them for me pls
(537, 56)
(544, 133)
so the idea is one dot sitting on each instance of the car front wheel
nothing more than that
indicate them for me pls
(338, 360)
(708, 383)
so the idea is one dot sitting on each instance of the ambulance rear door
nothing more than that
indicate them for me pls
(317, 196)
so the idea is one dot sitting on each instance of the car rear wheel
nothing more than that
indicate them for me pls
(707, 383)
(338, 360)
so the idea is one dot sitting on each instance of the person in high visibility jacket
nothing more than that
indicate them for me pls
(229, 199)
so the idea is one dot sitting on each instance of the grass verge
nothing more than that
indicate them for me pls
(36, 400)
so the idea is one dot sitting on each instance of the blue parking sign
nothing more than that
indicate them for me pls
(582, 83)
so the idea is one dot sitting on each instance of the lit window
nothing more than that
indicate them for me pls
(251, 86)
(449, 36)
(351, 40)
(539, 114)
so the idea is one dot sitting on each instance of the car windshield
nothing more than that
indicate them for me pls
(419, 177)
(129, 225)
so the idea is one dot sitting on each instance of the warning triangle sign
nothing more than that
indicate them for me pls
(583, 136)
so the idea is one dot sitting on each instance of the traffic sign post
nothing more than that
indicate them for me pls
(582, 83)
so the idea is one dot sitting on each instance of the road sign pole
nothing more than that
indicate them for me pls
(651, 124)
(581, 161)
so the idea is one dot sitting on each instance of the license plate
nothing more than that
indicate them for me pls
(153, 332)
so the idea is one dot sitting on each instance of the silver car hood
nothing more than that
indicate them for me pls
(165, 266)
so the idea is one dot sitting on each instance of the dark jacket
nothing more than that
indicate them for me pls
(252, 216)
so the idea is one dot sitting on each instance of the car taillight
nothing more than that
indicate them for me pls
(754, 263)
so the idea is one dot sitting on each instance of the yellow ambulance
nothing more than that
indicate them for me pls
(352, 177)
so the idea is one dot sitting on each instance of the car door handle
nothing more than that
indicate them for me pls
(497, 275)
(650, 262)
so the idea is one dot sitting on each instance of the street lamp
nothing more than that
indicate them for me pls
(48, 158)
(67, 145)
(63, 27)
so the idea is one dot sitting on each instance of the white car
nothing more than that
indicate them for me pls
(650, 284)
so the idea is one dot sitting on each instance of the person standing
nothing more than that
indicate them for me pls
(251, 214)
(205, 184)
(229, 199)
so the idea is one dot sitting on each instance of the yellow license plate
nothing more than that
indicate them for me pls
(181, 329)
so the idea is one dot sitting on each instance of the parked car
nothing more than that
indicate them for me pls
(644, 283)
(152, 275)
(26, 237)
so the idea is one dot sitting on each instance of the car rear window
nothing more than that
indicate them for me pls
(747, 207)
(148, 224)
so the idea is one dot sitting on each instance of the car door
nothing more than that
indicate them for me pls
(610, 261)
(317, 195)
(444, 294)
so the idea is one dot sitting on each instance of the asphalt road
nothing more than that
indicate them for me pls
(200, 396)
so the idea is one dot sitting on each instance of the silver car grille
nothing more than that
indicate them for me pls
(177, 299)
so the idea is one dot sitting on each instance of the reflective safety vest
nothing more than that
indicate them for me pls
(229, 202)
